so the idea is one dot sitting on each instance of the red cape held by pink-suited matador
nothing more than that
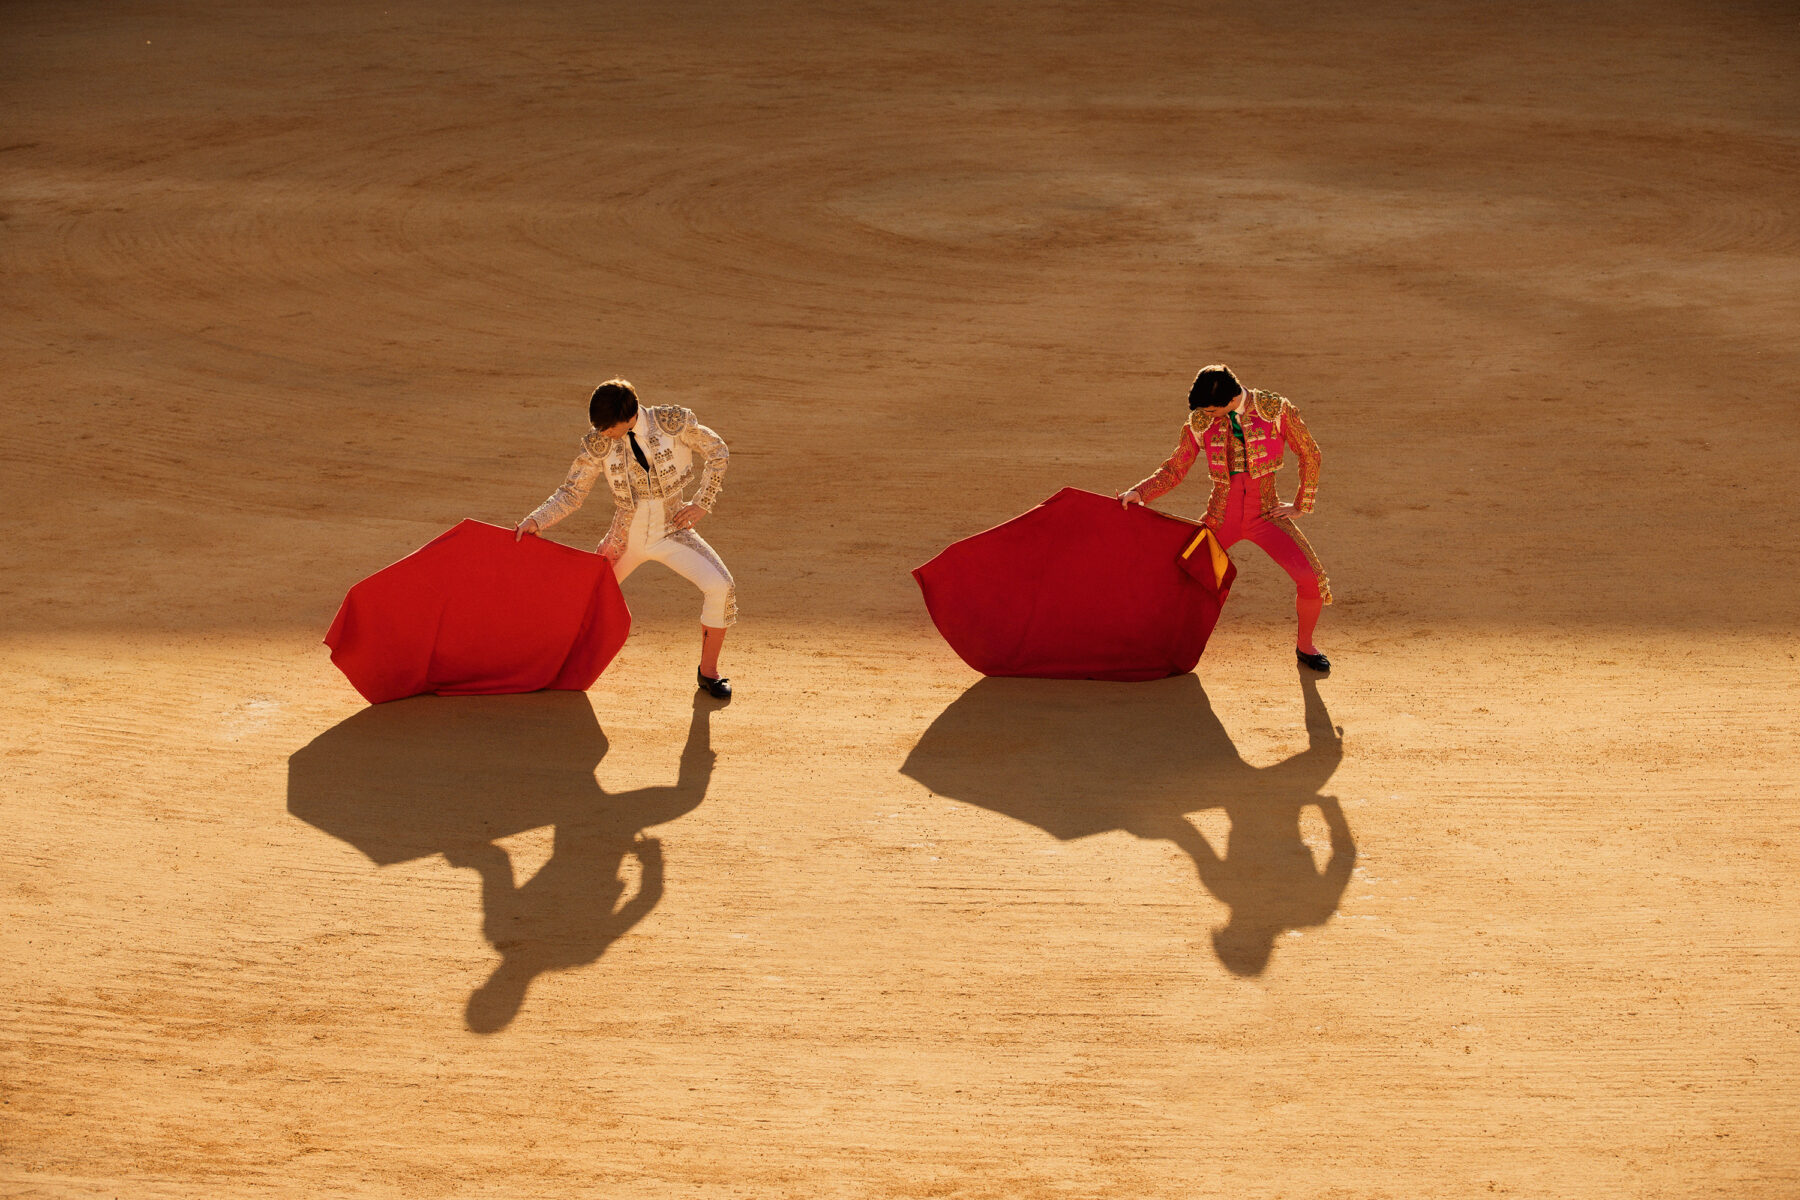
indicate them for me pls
(474, 612)
(1080, 588)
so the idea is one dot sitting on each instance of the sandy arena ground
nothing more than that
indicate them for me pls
(289, 289)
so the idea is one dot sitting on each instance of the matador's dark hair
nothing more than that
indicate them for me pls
(613, 401)
(1214, 387)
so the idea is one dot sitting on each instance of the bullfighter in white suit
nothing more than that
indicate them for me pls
(651, 456)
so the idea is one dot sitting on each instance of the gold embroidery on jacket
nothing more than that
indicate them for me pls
(1209, 425)
(1307, 451)
(710, 451)
(613, 544)
(1202, 419)
(1291, 432)
(1216, 503)
(572, 491)
(630, 483)
(1174, 469)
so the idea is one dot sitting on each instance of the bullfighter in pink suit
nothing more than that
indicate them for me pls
(1244, 434)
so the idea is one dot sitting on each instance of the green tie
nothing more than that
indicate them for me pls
(1237, 431)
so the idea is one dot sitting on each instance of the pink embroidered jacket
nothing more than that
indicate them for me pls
(1270, 426)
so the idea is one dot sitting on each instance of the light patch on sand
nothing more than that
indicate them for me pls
(1214, 825)
(252, 716)
(529, 851)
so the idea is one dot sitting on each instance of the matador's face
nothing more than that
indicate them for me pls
(1236, 405)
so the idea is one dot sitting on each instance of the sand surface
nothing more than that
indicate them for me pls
(1506, 905)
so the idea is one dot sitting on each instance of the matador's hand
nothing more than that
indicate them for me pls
(1283, 510)
(688, 517)
(526, 526)
(1130, 497)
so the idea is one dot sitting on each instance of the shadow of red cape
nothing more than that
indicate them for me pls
(1081, 759)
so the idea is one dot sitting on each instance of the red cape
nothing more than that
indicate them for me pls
(1079, 588)
(475, 613)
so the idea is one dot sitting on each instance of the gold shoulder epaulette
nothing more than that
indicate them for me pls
(672, 418)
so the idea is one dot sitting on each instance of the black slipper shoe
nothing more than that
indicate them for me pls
(719, 688)
(1317, 662)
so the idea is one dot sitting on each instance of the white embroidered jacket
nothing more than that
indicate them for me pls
(680, 450)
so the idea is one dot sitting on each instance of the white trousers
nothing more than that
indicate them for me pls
(684, 552)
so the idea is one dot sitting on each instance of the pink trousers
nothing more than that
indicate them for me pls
(1282, 541)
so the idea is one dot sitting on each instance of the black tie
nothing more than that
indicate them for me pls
(637, 451)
